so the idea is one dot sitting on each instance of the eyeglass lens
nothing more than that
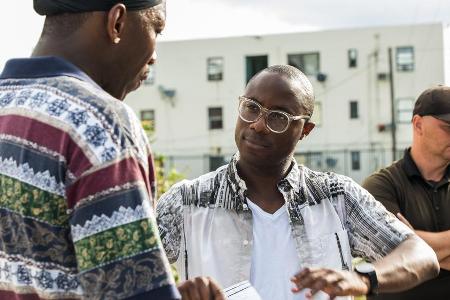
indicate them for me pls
(250, 111)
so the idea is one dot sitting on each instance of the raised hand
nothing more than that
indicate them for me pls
(200, 288)
(333, 282)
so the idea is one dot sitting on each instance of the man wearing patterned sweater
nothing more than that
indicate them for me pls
(287, 229)
(76, 172)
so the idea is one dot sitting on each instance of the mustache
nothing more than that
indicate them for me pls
(256, 139)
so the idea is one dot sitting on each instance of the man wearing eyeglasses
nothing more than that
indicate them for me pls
(416, 187)
(287, 229)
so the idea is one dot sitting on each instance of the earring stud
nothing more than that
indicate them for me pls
(116, 40)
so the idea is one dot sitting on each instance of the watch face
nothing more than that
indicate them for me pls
(364, 267)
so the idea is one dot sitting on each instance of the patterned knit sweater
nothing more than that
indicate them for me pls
(76, 186)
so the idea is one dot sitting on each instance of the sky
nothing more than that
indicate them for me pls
(20, 26)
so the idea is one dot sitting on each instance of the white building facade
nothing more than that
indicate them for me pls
(192, 97)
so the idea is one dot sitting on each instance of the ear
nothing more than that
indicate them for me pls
(417, 123)
(117, 16)
(307, 128)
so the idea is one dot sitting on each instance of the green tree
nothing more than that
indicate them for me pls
(165, 179)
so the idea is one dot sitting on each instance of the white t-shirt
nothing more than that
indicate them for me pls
(274, 257)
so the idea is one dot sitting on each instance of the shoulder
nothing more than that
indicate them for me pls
(385, 177)
(88, 122)
(199, 191)
(325, 184)
(104, 125)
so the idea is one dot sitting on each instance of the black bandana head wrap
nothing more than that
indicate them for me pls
(54, 7)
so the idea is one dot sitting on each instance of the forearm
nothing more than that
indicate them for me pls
(445, 263)
(439, 241)
(411, 263)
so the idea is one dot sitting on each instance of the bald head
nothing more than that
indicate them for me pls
(304, 91)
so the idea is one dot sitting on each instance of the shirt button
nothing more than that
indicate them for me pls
(245, 242)
(245, 206)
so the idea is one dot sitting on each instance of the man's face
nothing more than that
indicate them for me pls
(139, 46)
(436, 137)
(256, 143)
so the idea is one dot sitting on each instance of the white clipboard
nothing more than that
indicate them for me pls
(241, 291)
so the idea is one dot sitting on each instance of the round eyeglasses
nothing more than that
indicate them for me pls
(277, 121)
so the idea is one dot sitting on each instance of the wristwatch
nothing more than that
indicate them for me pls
(368, 270)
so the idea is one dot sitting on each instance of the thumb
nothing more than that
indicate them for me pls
(215, 290)
(404, 220)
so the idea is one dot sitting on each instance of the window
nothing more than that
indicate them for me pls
(308, 63)
(312, 160)
(148, 120)
(405, 108)
(317, 114)
(255, 64)
(216, 162)
(215, 117)
(356, 160)
(404, 58)
(354, 110)
(150, 77)
(352, 58)
(215, 68)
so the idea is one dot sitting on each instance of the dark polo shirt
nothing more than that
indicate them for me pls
(426, 205)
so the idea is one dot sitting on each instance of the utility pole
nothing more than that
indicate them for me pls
(393, 124)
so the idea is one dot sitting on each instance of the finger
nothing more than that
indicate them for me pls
(401, 217)
(319, 284)
(313, 280)
(298, 278)
(184, 293)
(312, 292)
(404, 220)
(340, 288)
(194, 295)
(301, 274)
(324, 280)
(215, 290)
(202, 287)
(191, 290)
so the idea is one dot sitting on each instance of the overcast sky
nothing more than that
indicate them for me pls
(20, 26)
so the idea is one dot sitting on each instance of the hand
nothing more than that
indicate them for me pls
(333, 282)
(404, 221)
(200, 288)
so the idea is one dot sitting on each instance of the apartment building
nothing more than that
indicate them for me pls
(191, 97)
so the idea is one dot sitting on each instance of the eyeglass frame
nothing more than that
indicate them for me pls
(266, 112)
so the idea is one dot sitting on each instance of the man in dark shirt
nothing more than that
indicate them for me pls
(416, 187)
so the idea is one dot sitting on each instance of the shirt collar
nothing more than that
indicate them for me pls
(410, 166)
(412, 170)
(41, 67)
(240, 188)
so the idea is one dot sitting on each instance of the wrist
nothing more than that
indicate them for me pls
(366, 282)
(367, 273)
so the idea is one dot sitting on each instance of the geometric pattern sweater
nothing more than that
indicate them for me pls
(76, 190)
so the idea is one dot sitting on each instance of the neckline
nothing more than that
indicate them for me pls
(254, 207)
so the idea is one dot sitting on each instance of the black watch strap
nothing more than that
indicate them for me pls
(368, 270)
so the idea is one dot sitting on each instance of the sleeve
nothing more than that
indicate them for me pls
(382, 188)
(373, 231)
(118, 250)
(169, 212)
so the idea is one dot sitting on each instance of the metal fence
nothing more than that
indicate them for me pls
(357, 164)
